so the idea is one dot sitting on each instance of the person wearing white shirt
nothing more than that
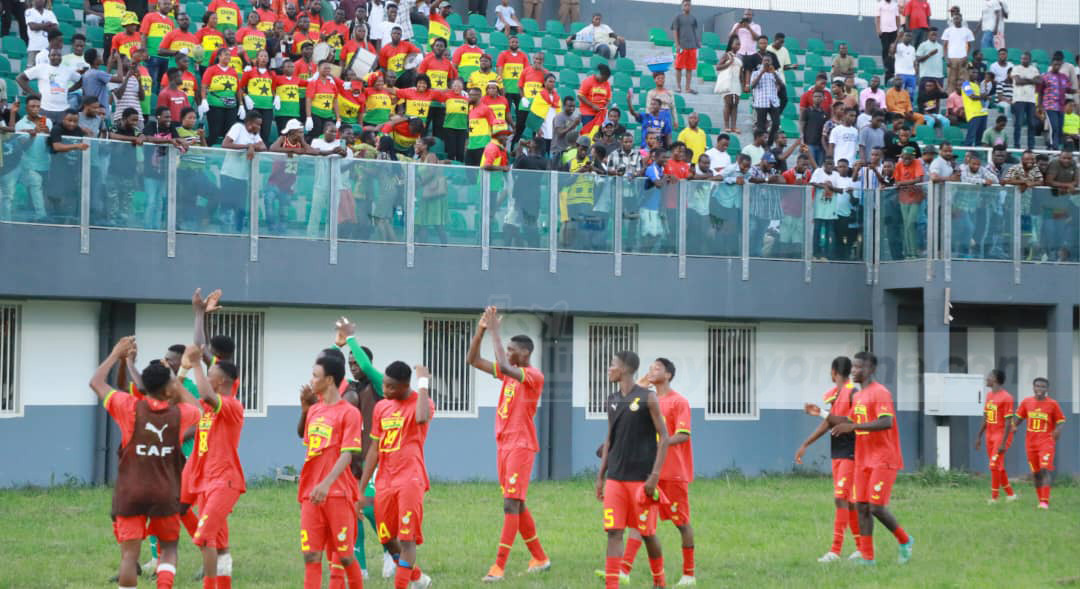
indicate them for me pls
(376, 11)
(719, 158)
(1024, 78)
(54, 81)
(844, 139)
(958, 40)
(243, 141)
(886, 24)
(600, 39)
(506, 19)
(994, 13)
(904, 54)
(847, 219)
(328, 144)
(39, 21)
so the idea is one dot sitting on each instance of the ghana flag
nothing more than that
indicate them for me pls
(539, 108)
(438, 28)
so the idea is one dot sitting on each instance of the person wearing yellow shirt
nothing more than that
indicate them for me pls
(1070, 129)
(693, 136)
(483, 76)
(974, 108)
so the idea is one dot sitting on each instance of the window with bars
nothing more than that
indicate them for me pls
(604, 340)
(446, 347)
(246, 330)
(732, 392)
(9, 361)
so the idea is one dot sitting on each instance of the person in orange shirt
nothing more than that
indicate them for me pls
(594, 94)
(179, 40)
(314, 14)
(498, 105)
(997, 412)
(250, 37)
(267, 16)
(359, 41)
(336, 31)
(155, 25)
(898, 103)
(123, 43)
(678, 471)
(210, 38)
(228, 14)
(399, 429)
(1044, 417)
(908, 174)
(394, 56)
(302, 34)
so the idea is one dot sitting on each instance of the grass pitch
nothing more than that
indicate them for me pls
(762, 532)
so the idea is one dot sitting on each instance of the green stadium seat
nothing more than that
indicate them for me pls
(575, 27)
(573, 62)
(660, 37)
(793, 46)
(420, 35)
(711, 39)
(595, 61)
(569, 77)
(621, 82)
(708, 55)
(706, 71)
(734, 146)
(816, 46)
(1014, 54)
(95, 36)
(455, 22)
(925, 134)
(528, 44)
(790, 128)
(553, 45)
(67, 29)
(645, 84)
(196, 12)
(1069, 57)
(705, 122)
(479, 22)
(680, 105)
(551, 60)
(554, 28)
(1040, 56)
(955, 135)
(791, 111)
(867, 63)
(626, 66)
(5, 66)
(64, 13)
(529, 25)
(13, 47)
(498, 41)
(814, 62)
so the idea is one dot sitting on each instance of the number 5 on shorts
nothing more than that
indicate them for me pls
(609, 518)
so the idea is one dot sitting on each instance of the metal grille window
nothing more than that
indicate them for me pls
(731, 353)
(604, 340)
(446, 346)
(246, 330)
(9, 360)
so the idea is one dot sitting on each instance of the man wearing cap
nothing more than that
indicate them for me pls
(495, 158)
(124, 42)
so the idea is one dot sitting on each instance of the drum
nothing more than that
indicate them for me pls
(362, 63)
(323, 51)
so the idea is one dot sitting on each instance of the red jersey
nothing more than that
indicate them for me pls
(266, 19)
(510, 66)
(1043, 418)
(228, 13)
(597, 92)
(124, 43)
(467, 56)
(301, 38)
(121, 407)
(807, 100)
(304, 70)
(878, 449)
(352, 47)
(401, 443)
(215, 462)
(998, 409)
(501, 107)
(494, 155)
(417, 104)
(514, 425)
(679, 464)
(329, 431)
(392, 57)
(840, 404)
(532, 81)
(315, 22)
(440, 71)
(175, 40)
(335, 33)
(682, 171)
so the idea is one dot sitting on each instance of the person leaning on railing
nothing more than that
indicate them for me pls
(1059, 235)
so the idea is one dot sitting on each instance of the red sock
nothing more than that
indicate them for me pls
(994, 483)
(840, 523)
(611, 572)
(901, 535)
(337, 575)
(1003, 478)
(867, 549)
(511, 523)
(657, 567)
(354, 575)
(527, 528)
(853, 523)
(190, 521)
(224, 582)
(633, 544)
(415, 574)
(402, 577)
(688, 561)
(211, 582)
(165, 575)
(312, 575)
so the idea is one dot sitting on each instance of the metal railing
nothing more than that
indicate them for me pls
(118, 186)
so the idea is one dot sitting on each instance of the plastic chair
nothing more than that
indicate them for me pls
(793, 46)
(479, 22)
(13, 47)
(554, 28)
(455, 22)
(569, 77)
(680, 105)
(734, 146)
(529, 25)
(571, 61)
(706, 71)
(814, 62)
(711, 39)
(528, 44)
(816, 46)
(553, 45)
(789, 127)
(95, 36)
(498, 41)
(626, 65)
(595, 61)
(705, 122)
(64, 13)
(621, 82)
(925, 134)
(955, 135)
(660, 37)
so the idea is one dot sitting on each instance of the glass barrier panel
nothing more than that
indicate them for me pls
(128, 184)
(777, 221)
(30, 191)
(294, 195)
(713, 218)
(448, 205)
(982, 222)
(903, 223)
(1055, 234)
(648, 226)
(586, 206)
(212, 191)
(521, 209)
(373, 200)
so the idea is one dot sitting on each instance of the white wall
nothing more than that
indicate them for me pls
(292, 337)
(792, 359)
(907, 364)
(980, 350)
(58, 353)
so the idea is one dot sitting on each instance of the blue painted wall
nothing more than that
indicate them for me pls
(49, 445)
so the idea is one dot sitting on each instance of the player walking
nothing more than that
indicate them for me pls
(631, 461)
(997, 413)
(1044, 418)
(515, 437)
(146, 499)
(842, 452)
(328, 491)
(877, 456)
(399, 428)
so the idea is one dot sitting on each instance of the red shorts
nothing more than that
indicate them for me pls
(843, 478)
(1040, 456)
(686, 59)
(678, 493)
(997, 461)
(138, 527)
(621, 508)
(330, 524)
(399, 513)
(214, 507)
(874, 485)
(514, 466)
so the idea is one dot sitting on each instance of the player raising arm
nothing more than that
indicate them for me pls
(399, 430)
(843, 457)
(877, 456)
(328, 491)
(631, 461)
(1044, 418)
(146, 498)
(515, 436)
(997, 412)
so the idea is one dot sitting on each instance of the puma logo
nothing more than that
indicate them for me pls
(159, 432)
